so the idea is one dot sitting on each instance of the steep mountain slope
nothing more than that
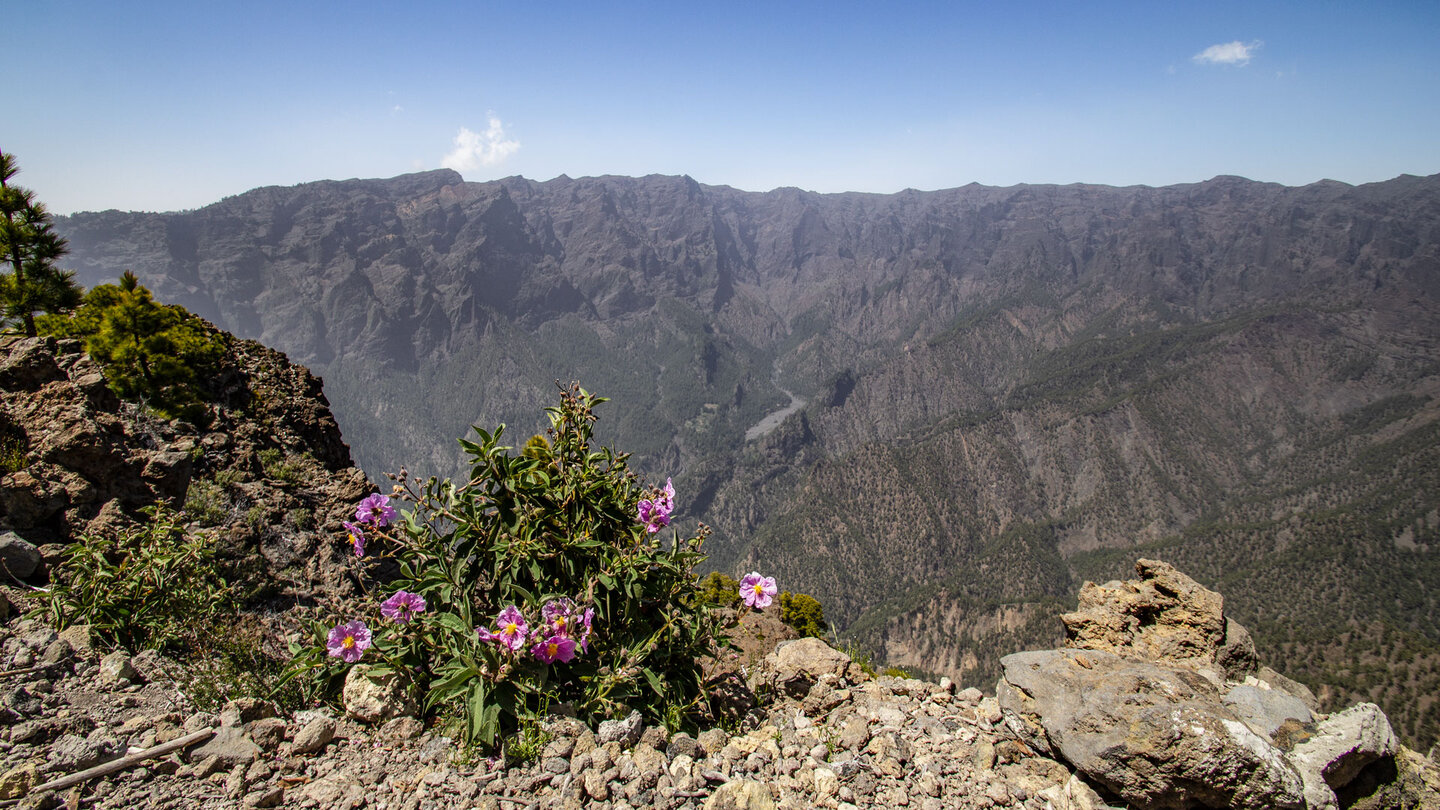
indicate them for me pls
(1005, 389)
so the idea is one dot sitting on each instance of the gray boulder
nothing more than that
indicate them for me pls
(1156, 736)
(1344, 743)
(18, 557)
(1267, 711)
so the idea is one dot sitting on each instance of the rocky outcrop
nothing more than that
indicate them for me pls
(269, 471)
(1153, 701)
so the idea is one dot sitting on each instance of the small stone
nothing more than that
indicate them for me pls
(268, 733)
(854, 733)
(117, 670)
(18, 557)
(402, 728)
(17, 782)
(682, 743)
(744, 794)
(315, 735)
(56, 653)
(827, 784)
(198, 721)
(265, 798)
(655, 737)
(984, 755)
(78, 635)
(229, 746)
(626, 732)
(595, 786)
(376, 698)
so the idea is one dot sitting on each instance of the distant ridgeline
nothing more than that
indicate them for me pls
(1006, 391)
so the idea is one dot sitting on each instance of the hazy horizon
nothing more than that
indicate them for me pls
(174, 105)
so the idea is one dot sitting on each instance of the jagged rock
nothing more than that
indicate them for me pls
(1343, 744)
(17, 781)
(18, 557)
(1157, 736)
(626, 732)
(268, 733)
(376, 698)
(1075, 794)
(75, 753)
(1298, 690)
(245, 710)
(1163, 616)
(795, 666)
(1236, 654)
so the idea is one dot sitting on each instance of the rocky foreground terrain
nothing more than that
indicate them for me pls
(1157, 699)
(1157, 702)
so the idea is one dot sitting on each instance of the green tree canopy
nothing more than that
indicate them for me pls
(152, 352)
(30, 247)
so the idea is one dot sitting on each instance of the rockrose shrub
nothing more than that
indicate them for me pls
(543, 579)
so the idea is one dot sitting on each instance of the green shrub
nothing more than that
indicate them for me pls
(804, 613)
(207, 502)
(153, 586)
(12, 455)
(720, 589)
(290, 469)
(551, 533)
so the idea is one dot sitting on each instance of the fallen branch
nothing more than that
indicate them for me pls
(7, 673)
(125, 762)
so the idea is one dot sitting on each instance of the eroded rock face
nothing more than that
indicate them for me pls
(1163, 616)
(1156, 736)
(270, 472)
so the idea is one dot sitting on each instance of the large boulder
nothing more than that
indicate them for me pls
(795, 666)
(1164, 616)
(1343, 745)
(1157, 736)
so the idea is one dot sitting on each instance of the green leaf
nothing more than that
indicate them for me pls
(654, 682)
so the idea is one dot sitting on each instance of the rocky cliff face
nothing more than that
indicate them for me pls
(1006, 389)
(270, 474)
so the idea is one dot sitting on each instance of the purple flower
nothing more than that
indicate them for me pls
(584, 634)
(402, 606)
(655, 514)
(511, 629)
(757, 591)
(375, 510)
(348, 641)
(555, 648)
(357, 538)
(556, 616)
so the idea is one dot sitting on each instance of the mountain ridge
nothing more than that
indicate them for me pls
(1031, 380)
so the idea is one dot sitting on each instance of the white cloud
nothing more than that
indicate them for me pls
(1228, 53)
(475, 149)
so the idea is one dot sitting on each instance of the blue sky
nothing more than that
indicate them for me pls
(164, 106)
